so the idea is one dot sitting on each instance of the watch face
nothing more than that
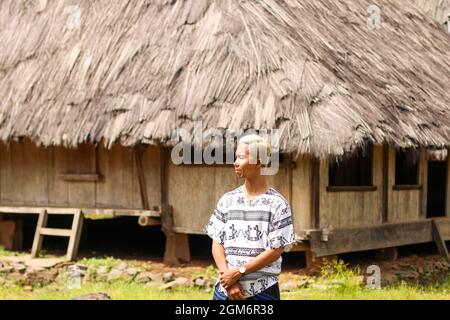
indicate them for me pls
(242, 270)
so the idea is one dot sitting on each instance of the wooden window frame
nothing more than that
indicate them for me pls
(362, 188)
(403, 187)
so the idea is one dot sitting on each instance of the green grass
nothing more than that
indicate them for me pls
(6, 253)
(352, 289)
(109, 262)
(135, 291)
(209, 273)
(345, 282)
(397, 292)
(116, 290)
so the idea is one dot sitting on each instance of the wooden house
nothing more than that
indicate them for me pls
(93, 90)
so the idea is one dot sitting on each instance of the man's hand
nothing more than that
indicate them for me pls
(229, 277)
(235, 292)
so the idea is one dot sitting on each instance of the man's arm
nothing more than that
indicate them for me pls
(263, 259)
(218, 253)
(235, 291)
(231, 276)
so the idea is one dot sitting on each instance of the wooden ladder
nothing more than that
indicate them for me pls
(439, 239)
(74, 233)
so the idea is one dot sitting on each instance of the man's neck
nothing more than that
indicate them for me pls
(256, 186)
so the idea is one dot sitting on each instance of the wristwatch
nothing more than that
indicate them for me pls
(242, 270)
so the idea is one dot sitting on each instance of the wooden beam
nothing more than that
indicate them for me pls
(315, 193)
(177, 244)
(377, 237)
(38, 237)
(447, 198)
(144, 221)
(385, 195)
(439, 239)
(11, 236)
(423, 181)
(80, 177)
(75, 235)
(55, 232)
(386, 254)
(156, 212)
(407, 187)
(352, 188)
(138, 155)
(164, 175)
(289, 168)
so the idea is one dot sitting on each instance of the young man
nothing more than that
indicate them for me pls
(250, 228)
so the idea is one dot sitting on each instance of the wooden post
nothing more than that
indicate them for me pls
(423, 181)
(11, 234)
(447, 198)
(18, 234)
(177, 244)
(38, 238)
(77, 227)
(439, 240)
(385, 204)
(138, 154)
(386, 254)
(315, 194)
(314, 263)
(385, 195)
(289, 168)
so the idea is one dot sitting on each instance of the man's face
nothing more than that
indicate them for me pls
(242, 166)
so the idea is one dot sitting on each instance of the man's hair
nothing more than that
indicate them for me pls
(260, 145)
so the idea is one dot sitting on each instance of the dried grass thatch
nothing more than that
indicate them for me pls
(136, 70)
(437, 9)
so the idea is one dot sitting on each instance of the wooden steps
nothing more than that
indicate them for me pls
(74, 234)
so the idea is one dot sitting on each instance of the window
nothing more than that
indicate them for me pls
(407, 167)
(353, 171)
(81, 163)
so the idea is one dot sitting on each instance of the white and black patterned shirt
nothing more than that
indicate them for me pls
(246, 228)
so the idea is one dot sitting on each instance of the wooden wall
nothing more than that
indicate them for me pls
(301, 196)
(407, 205)
(34, 176)
(350, 208)
(195, 190)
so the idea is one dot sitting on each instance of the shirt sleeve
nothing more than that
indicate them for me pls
(215, 228)
(281, 230)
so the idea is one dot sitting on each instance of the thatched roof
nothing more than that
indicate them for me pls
(437, 9)
(136, 70)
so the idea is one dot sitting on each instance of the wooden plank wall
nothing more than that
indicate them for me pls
(31, 176)
(350, 209)
(195, 190)
(405, 205)
(24, 169)
(120, 187)
(301, 195)
(82, 160)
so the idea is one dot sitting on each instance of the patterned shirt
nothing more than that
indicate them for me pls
(246, 228)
